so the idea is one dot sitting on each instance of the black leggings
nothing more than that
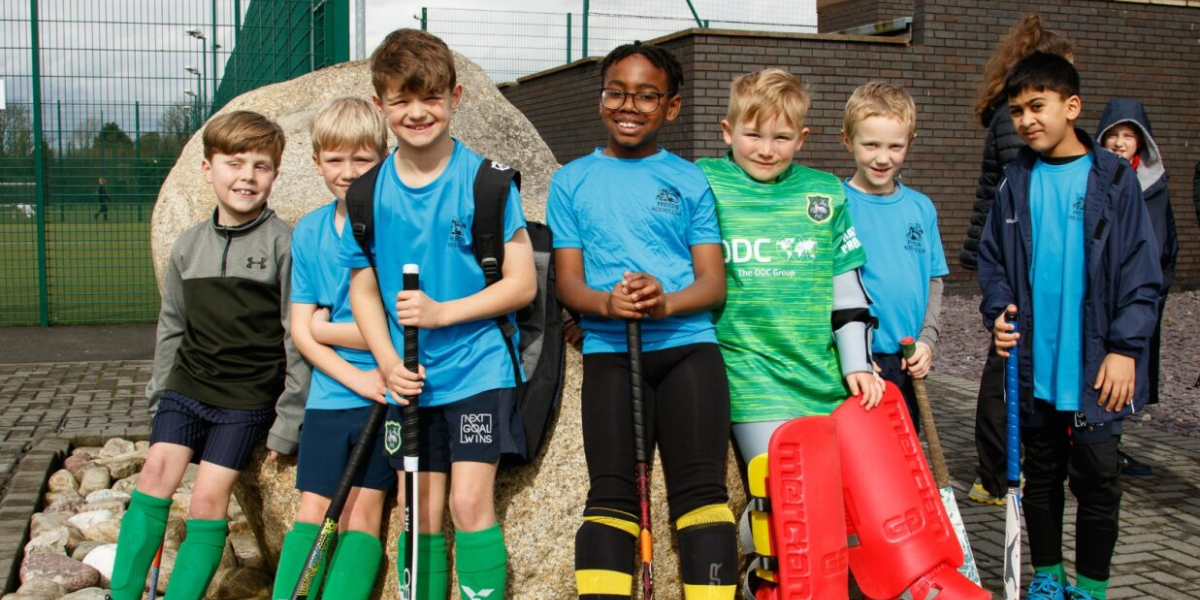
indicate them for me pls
(687, 405)
(1056, 451)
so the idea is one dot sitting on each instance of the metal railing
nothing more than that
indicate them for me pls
(511, 44)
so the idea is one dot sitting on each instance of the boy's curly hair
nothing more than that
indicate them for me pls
(658, 56)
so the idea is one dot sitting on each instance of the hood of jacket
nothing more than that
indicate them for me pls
(1123, 111)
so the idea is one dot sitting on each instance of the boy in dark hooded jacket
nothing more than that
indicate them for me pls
(1125, 129)
(1068, 246)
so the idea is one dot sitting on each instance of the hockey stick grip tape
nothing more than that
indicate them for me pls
(1012, 397)
(410, 419)
(633, 335)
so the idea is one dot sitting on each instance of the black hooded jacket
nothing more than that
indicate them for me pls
(1000, 148)
(1151, 176)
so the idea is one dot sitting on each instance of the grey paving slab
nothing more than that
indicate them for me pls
(1158, 556)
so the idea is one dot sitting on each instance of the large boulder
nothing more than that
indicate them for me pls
(540, 504)
(485, 121)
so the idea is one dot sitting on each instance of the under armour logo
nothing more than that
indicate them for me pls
(473, 595)
(714, 574)
(261, 263)
(499, 167)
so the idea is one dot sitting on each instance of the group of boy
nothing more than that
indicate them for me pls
(739, 335)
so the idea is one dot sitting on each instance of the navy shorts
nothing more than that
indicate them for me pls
(221, 436)
(326, 440)
(479, 428)
(891, 368)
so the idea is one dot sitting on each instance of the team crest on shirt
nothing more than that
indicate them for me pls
(391, 437)
(668, 201)
(916, 238)
(819, 208)
(458, 234)
(1077, 208)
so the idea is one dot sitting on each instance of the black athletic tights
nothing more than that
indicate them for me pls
(687, 406)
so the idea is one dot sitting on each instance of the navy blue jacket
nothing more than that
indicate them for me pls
(1120, 307)
(1152, 177)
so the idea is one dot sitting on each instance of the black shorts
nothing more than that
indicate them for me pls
(326, 440)
(221, 436)
(479, 428)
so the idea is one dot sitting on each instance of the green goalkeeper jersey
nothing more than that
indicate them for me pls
(783, 243)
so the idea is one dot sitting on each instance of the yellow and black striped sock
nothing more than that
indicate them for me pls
(604, 554)
(708, 553)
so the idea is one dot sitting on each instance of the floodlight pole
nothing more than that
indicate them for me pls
(215, 46)
(360, 27)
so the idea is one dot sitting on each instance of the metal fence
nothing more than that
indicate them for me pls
(511, 44)
(96, 101)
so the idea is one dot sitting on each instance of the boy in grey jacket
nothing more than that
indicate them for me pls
(225, 368)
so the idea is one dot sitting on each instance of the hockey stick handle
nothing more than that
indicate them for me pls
(633, 335)
(154, 570)
(941, 475)
(410, 420)
(1012, 397)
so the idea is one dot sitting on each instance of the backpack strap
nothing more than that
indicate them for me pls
(492, 182)
(360, 210)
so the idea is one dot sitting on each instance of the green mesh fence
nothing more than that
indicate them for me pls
(98, 100)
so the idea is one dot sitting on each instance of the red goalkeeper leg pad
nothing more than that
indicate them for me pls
(898, 527)
(804, 486)
(944, 582)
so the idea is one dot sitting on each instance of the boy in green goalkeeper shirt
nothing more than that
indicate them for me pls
(792, 269)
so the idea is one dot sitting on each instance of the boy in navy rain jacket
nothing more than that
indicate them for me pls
(1069, 246)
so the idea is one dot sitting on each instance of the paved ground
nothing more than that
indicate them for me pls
(1158, 555)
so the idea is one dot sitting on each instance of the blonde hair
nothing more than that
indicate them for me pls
(243, 131)
(411, 60)
(349, 124)
(879, 99)
(1025, 38)
(766, 94)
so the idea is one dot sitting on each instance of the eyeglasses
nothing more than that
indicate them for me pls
(643, 102)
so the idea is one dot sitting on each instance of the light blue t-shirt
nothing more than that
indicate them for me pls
(318, 279)
(1057, 195)
(899, 232)
(431, 227)
(635, 215)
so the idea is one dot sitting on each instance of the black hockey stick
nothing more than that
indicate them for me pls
(633, 334)
(408, 431)
(327, 536)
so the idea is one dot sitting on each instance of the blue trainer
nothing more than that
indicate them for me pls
(1045, 587)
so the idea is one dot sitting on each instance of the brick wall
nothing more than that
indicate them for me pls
(1156, 62)
(853, 13)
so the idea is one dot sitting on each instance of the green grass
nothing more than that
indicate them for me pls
(97, 272)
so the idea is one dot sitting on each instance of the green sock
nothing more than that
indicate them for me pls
(1058, 571)
(296, 546)
(481, 561)
(142, 530)
(354, 566)
(200, 555)
(434, 576)
(1098, 589)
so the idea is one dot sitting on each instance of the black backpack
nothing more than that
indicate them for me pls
(542, 350)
